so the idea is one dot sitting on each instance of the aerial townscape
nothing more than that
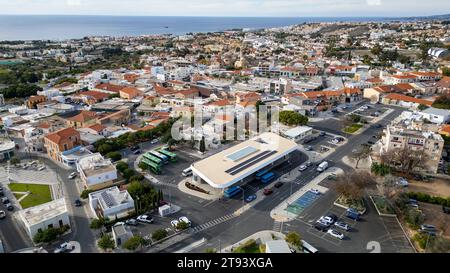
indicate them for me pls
(158, 143)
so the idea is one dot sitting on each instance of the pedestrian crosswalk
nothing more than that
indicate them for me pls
(213, 223)
(277, 226)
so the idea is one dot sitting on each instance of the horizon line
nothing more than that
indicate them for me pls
(229, 16)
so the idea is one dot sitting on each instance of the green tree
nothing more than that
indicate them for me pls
(115, 156)
(106, 242)
(422, 107)
(292, 118)
(134, 243)
(294, 239)
(182, 225)
(14, 160)
(446, 71)
(159, 234)
(211, 250)
(97, 223)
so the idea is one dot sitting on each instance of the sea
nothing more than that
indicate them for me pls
(62, 27)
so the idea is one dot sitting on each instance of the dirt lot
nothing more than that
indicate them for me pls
(435, 216)
(437, 187)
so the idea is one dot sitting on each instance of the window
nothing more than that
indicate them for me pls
(61, 224)
(50, 226)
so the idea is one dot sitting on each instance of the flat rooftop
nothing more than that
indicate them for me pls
(230, 166)
(35, 215)
(95, 164)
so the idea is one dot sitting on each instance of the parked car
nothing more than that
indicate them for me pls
(5, 200)
(352, 214)
(342, 225)
(321, 227)
(336, 234)
(72, 175)
(302, 168)
(370, 142)
(185, 219)
(2, 214)
(315, 191)
(131, 222)
(308, 148)
(136, 152)
(402, 182)
(78, 203)
(278, 184)
(308, 164)
(9, 206)
(322, 134)
(334, 141)
(446, 209)
(250, 198)
(64, 247)
(134, 148)
(268, 191)
(41, 168)
(174, 223)
(145, 218)
(426, 227)
(154, 141)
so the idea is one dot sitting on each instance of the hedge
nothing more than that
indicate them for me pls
(426, 198)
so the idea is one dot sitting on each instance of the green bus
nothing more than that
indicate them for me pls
(153, 159)
(154, 168)
(172, 156)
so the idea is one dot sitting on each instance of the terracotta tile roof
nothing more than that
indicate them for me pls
(316, 94)
(408, 76)
(400, 97)
(404, 86)
(445, 128)
(219, 103)
(425, 74)
(110, 87)
(94, 94)
(387, 89)
(83, 116)
(62, 135)
(132, 91)
(97, 127)
(375, 80)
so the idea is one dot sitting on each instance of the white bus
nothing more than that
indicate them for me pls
(307, 248)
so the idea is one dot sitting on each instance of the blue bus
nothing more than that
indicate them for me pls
(230, 192)
(261, 173)
(267, 177)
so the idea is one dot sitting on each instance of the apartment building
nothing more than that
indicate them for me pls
(61, 141)
(96, 172)
(400, 136)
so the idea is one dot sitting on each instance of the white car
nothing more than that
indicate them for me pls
(145, 219)
(154, 141)
(41, 168)
(64, 247)
(174, 223)
(315, 191)
(334, 141)
(302, 168)
(185, 219)
(72, 175)
(336, 234)
(402, 182)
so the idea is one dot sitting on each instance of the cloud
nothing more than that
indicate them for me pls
(73, 3)
(374, 2)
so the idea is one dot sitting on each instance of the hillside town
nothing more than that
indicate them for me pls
(90, 162)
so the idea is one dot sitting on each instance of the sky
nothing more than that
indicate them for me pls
(254, 8)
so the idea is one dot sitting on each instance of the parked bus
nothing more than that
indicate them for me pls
(153, 159)
(165, 159)
(172, 156)
(307, 248)
(261, 173)
(154, 168)
(230, 192)
(267, 177)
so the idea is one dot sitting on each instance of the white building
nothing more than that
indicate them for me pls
(96, 171)
(111, 203)
(435, 115)
(121, 233)
(7, 147)
(298, 133)
(53, 214)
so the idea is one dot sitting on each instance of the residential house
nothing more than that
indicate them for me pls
(61, 141)
(111, 203)
(96, 172)
(82, 119)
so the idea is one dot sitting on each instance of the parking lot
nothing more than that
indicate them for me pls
(370, 229)
(322, 144)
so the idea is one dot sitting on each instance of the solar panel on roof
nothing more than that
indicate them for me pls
(252, 161)
(107, 199)
(242, 153)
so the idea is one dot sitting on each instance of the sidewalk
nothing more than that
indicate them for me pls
(280, 214)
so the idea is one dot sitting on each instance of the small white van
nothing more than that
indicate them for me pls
(187, 172)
